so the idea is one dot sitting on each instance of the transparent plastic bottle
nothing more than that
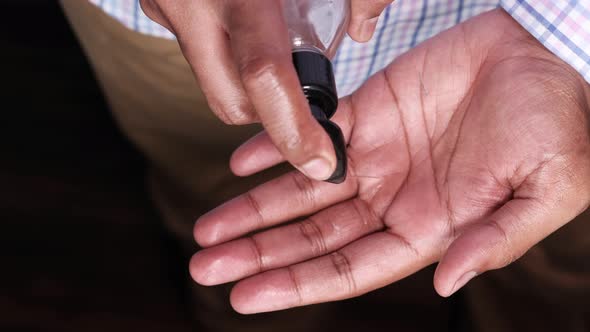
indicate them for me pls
(316, 28)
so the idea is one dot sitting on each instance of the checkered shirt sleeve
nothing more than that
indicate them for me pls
(563, 26)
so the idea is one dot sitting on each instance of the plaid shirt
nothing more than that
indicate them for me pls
(563, 26)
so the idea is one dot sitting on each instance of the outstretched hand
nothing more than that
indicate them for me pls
(466, 151)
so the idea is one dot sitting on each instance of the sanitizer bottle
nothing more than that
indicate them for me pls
(316, 28)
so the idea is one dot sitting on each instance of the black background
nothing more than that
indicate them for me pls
(81, 246)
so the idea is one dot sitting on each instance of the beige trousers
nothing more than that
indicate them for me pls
(157, 103)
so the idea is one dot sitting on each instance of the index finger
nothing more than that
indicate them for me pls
(285, 198)
(259, 39)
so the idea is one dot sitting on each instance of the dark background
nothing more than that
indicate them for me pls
(81, 246)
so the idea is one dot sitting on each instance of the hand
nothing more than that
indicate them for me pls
(467, 151)
(240, 53)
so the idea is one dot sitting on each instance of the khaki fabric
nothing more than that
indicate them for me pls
(155, 100)
(158, 105)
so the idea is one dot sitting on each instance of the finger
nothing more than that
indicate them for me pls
(367, 264)
(259, 39)
(206, 47)
(285, 198)
(255, 155)
(316, 236)
(509, 232)
(364, 18)
(259, 153)
(154, 12)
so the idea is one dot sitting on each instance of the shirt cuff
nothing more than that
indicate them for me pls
(563, 26)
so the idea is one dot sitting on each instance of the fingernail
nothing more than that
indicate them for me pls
(463, 281)
(367, 28)
(318, 168)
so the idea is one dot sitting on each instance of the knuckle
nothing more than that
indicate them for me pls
(342, 267)
(233, 113)
(289, 141)
(306, 190)
(255, 207)
(258, 255)
(510, 258)
(239, 117)
(261, 68)
(296, 284)
(495, 225)
(313, 234)
(291, 144)
(505, 254)
(298, 142)
(506, 257)
(243, 119)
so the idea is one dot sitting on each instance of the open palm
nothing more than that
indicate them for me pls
(467, 151)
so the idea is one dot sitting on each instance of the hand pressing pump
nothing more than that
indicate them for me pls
(316, 28)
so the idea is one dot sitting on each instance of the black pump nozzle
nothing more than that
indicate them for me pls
(337, 138)
(317, 81)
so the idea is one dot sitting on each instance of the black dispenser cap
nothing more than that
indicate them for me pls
(317, 81)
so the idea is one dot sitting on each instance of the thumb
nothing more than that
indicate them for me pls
(507, 234)
(259, 40)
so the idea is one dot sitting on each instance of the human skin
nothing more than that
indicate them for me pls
(240, 53)
(467, 151)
